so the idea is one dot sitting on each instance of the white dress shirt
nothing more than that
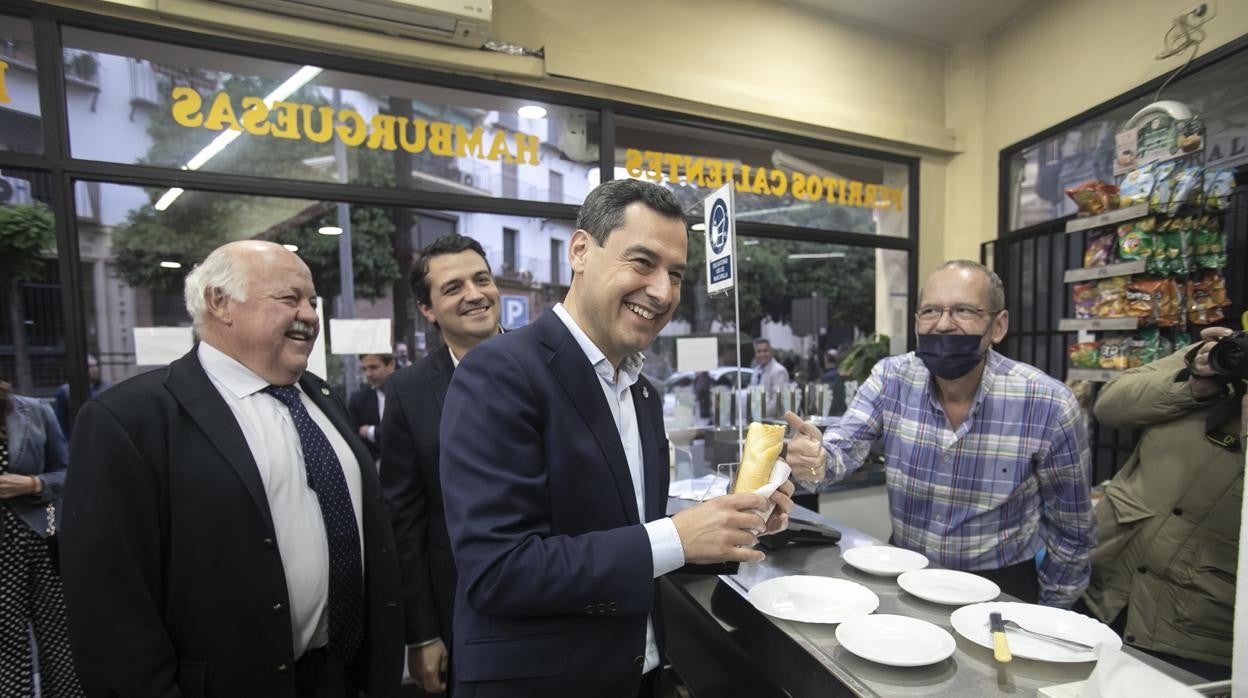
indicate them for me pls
(381, 409)
(666, 551)
(274, 443)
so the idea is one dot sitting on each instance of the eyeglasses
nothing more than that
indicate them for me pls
(961, 314)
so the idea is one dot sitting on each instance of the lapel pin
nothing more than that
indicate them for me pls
(645, 392)
(325, 391)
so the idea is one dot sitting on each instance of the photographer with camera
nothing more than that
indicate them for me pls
(1164, 572)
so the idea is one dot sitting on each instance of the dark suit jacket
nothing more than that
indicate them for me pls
(173, 581)
(555, 571)
(409, 480)
(362, 407)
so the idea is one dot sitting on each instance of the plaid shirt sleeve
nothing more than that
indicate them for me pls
(849, 441)
(1067, 524)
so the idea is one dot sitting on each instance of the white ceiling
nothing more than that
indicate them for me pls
(942, 22)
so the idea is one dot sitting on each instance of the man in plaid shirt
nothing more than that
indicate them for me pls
(986, 458)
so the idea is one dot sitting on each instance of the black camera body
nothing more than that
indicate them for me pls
(1228, 359)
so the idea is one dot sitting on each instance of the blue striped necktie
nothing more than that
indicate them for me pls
(325, 477)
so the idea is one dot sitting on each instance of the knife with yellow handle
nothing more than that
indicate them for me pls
(1000, 649)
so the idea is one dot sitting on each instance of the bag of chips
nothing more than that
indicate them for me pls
(1163, 185)
(1084, 355)
(1136, 185)
(1135, 240)
(1143, 348)
(1187, 188)
(1100, 250)
(1206, 297)
(1094, 197)
(1219, 183)
(1111, 298)
(1113, 352)
(1085, 297)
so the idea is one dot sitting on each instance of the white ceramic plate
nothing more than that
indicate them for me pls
(813, 599)
(896, 640)
(971, 622)
(949, 586)
(884, 560)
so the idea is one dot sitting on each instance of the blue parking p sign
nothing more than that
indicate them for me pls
(515, 311)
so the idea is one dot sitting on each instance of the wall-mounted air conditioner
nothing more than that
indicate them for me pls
(462, 22)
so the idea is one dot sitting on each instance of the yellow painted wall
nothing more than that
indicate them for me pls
(1060, 59)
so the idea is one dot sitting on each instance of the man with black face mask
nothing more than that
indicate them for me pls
(987, 458)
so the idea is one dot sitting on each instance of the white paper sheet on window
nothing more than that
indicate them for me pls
(360, 336)
(697, 353)
(316, 360)
(159, 346)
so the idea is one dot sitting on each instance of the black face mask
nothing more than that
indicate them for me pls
(950, 356)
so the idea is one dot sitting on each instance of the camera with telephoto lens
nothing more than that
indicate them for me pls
(1228, 359)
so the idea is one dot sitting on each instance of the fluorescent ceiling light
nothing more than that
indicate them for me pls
(292, 248)
(698, 227)
(171, 265)
(329, 230)
(817, 255)
(168, 198)
(301, 77)
(532, 111)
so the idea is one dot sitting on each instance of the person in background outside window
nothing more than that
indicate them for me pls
(768, 372)
(367, 404)
(401, 359)
(60, 403)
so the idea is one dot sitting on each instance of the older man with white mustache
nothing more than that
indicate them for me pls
(224, 533)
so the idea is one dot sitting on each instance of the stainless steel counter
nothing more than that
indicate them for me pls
(721, 645)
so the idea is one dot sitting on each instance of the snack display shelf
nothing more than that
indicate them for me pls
(1099, 323)
(1105, 272)
(1122, 215)
(1094, 375)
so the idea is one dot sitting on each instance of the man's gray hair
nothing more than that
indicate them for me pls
(996, 290)
(220, 270)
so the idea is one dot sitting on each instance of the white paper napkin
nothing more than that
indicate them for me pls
(779, 473)
(1119, 675)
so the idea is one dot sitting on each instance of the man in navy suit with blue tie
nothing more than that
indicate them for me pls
(555, 470)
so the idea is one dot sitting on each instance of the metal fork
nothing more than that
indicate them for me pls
(1073, 643)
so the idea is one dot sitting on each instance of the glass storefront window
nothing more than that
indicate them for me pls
(774, 182)
(172, 106)
(20, 123)
(858, 291)
(1040, 174)
(32, 326)
(136, 258)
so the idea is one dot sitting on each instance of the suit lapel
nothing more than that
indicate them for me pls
(571, 369)
(443, 370)
(655, 469)
(192, 388)
(320, 395)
